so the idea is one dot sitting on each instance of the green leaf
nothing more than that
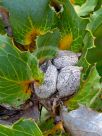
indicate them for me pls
(17, 71)
(88, 92)
(91, 57)
(29, 19)
(45, 53)
(79, 2)
(99, 4)
(51, 38)
(88, 43)
(71, 24)
(28, 126)
(95, 21)
(95, 26)
(2, 31)
(21, 128)
(87, 7)
(47, 45)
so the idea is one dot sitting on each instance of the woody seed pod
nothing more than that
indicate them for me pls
(66, 58)
(68, 81)
(49, 86)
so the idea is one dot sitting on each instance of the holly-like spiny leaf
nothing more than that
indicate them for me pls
(29, 19)
(95, 21)
(17, 71)
(72, 27)
(88, 43)
(86, 8)
(94, 55)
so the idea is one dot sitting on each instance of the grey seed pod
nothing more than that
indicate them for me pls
(49, 86)
(67, 53)
(68, 80)
(66, 58)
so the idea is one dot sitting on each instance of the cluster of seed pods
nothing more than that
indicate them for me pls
(62, 76)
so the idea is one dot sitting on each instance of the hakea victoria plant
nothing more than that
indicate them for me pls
(50, 67)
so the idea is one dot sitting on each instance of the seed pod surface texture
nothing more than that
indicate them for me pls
(65, 58)
(68, 81)
(49, 86)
